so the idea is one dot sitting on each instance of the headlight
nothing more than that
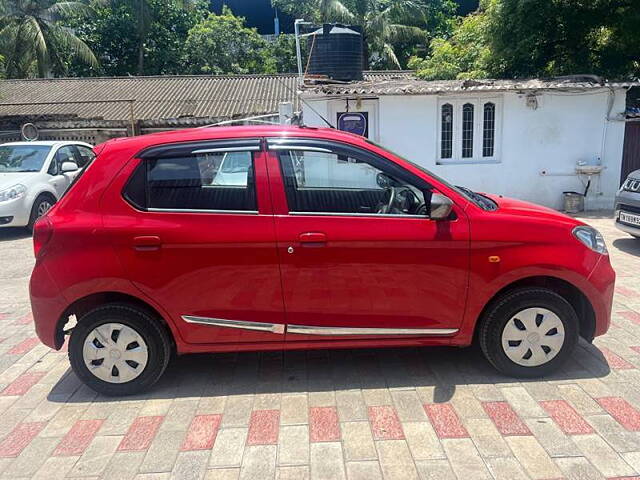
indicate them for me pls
(591, 238)
(12, 193)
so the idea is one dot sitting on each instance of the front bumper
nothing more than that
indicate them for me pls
(602, 281)
(627, 202)
(17, 211)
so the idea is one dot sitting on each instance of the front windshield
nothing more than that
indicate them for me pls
(480, 200)
(22, 158)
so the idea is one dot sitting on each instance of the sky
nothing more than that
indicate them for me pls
(258, 13)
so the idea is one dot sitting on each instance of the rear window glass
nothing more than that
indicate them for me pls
(221, 181)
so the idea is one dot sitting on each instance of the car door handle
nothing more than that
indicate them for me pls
(146, 242)
(312, 239)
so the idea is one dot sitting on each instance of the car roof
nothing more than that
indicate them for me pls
(47, 143)
(218, 133)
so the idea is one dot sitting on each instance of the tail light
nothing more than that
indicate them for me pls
(42, 231)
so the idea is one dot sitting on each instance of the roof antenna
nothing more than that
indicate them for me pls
(307, 104)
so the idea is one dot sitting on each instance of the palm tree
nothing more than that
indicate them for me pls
(32, 34)
(384, 24)
(144, 16)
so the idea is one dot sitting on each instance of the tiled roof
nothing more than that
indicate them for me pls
(412, 86)
(160, 97)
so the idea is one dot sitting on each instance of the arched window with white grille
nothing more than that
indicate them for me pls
(467, 130)
(446, 131)
(489, 130)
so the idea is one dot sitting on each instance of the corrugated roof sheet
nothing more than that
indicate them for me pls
(160, 97)
(413, 86)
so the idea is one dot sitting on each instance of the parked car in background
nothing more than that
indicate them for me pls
(628, 205)
(314, 239)
(35, 175)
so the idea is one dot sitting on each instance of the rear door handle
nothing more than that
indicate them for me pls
(147, 242)
(311, 239)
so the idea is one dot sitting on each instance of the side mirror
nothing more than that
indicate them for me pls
(68, 167)
(441, 207)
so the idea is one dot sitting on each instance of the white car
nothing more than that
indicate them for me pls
(34, 175)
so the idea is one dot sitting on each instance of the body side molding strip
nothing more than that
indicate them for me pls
(221, 322)
(279, 328)
(313, 330)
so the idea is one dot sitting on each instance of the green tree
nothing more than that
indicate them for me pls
(223, 44)
(561, 37)
(539, 38)
(280, 55)
(146, 15)
(464, 55)
(35, 39)
(111, 34)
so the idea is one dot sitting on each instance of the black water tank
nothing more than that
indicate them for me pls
(336, 51)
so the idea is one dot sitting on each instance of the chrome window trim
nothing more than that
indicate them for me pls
(316, 330)
(299, 147)
(343, 214)
(241, 324)
(226, 149)
(191, 210)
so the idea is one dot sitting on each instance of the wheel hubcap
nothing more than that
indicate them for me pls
(115, 353)
(43, 208)
(533, 337)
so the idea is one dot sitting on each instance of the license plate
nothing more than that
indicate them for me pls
(629, 218)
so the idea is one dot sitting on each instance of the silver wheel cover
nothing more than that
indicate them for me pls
(533, 337)
(43, 207)
(115, 353)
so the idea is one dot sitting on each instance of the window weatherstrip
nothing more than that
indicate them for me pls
(241, 324)
(299, 147)
(337, 331)
(226, 149)
(347, 214)
(195, 210)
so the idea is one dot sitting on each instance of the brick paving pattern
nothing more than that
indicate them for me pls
(356, 414)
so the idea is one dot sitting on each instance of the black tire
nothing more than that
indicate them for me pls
(40, 200)
(504, 308)
(153, 333)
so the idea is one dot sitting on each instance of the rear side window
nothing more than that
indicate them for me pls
(207, 181)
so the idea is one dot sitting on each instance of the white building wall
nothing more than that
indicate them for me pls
(538, 149)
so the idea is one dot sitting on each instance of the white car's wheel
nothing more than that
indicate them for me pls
(42, 205)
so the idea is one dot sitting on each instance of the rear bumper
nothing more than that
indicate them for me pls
(47, 306)
(602, 279)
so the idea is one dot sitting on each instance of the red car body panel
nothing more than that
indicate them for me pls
(359, 272)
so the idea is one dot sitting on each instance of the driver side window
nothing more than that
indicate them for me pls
(319, 180)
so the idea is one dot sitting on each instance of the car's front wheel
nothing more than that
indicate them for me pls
(118, 349)
(528, 332)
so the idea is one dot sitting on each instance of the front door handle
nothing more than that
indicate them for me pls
(146, 242)
(312, 239)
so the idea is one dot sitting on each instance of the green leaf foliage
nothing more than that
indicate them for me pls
(539, 38)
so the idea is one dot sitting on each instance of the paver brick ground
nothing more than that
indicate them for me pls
(358, 414)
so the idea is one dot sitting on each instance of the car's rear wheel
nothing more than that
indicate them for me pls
(42, 205)
(528, 332)
(118, 349)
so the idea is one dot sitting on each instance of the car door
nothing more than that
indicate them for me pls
(205, 252)
(351, 266)
(61, 181)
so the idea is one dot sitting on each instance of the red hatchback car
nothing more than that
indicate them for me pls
(282, 238)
